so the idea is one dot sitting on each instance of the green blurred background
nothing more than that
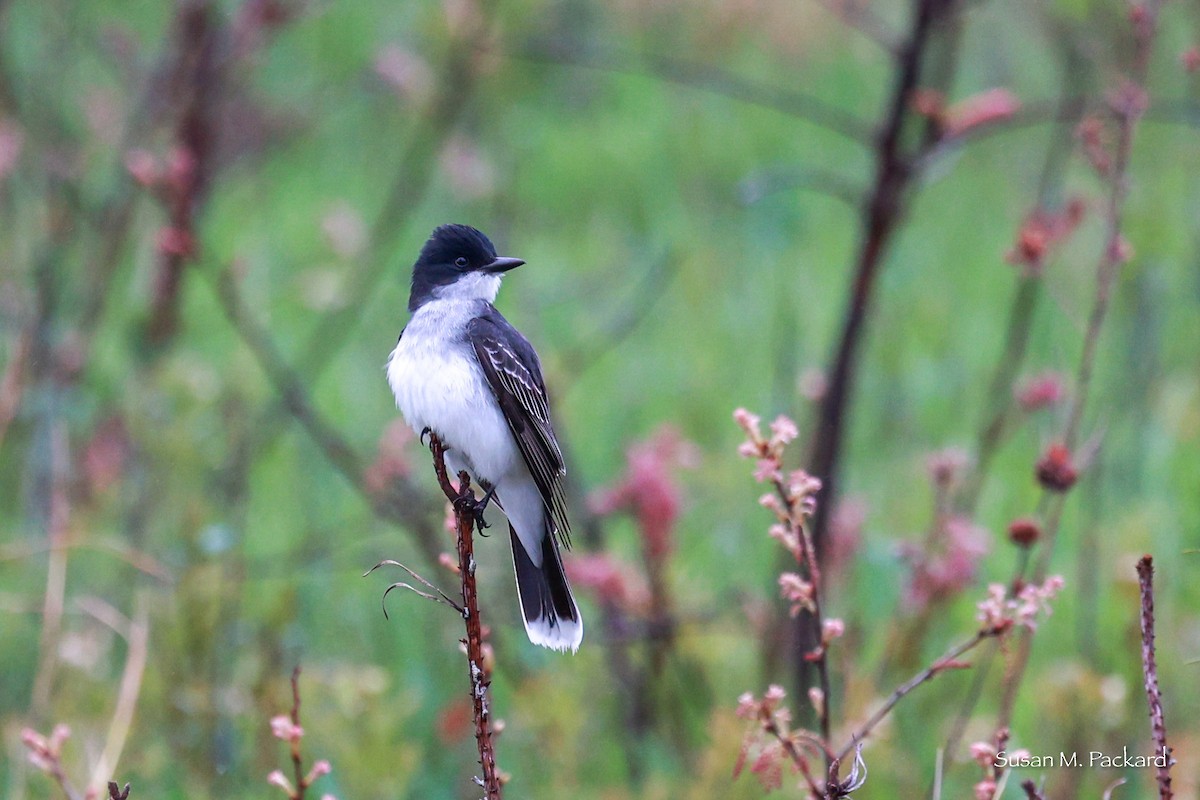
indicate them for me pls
(216, 462)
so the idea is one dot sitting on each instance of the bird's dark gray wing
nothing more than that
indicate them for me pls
(514, 374)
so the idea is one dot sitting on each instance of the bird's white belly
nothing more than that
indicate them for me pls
(448, 393)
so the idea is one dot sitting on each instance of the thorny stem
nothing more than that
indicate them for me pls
(1158, 725)
(463, 500)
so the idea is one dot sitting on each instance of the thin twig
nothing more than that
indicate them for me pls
(1158, 725)
(705, 77)
(860, 16)
(463, 499)
(947, 661)
(440, 597)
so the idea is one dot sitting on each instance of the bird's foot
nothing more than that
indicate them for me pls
(477, 507)
(426, 431)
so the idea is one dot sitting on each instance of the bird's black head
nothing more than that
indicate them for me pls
(457, 261)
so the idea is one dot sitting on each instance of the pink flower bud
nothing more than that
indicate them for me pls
(283, 728)
(277, 778)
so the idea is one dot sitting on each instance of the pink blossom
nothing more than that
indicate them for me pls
(609, 580)
(469, 173)
(1042, 230)
(1040, 391)
(391, 459)
(817, 698)
(277, 778)
(12, 139)
(747, 707)
(783, 430)
(283, 728)
(950, 566)
(812, 384)
(984, 108)
(767, 469)
(345, 230)
(831, 629)
(946, 466)
(748, 422)
(143, 167)
(985, 789)
(998, 612)
(984, 754)
(797, 591)
(320, 768)
(1190, 59)
(406, 72)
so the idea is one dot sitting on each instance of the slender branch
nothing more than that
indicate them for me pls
(704, 77)
(1158, 725)
(404, 504)
(463, 499)
(944, 663)
(860, 16)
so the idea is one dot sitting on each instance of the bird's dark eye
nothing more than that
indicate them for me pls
(461, 262)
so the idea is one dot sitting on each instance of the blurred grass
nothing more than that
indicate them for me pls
(596, 179)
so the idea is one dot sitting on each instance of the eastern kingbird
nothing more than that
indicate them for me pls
(462, 371)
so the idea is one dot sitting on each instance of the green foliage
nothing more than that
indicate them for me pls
(661, 288)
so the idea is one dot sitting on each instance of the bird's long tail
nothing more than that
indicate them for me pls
(551, 617)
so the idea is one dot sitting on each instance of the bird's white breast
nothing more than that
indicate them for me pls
(439, 384)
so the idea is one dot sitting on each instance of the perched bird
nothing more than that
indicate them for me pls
(463, 372)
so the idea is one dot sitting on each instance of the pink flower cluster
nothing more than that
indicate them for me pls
(987, 756)
(766, 755)
(649, 490)
(999, 612)
(948, 565)
(45, 752)
(285, 728)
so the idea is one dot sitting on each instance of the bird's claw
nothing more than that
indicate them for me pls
(426, 431)
(468, 504)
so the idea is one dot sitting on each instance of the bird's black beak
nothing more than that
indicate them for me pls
(503, 265)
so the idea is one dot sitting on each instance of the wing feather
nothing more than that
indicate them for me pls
(514, 374)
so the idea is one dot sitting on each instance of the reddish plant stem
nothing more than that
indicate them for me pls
(1158, 725)
(297, 763)
(788, 743)
(198, 80)
(463, 499)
